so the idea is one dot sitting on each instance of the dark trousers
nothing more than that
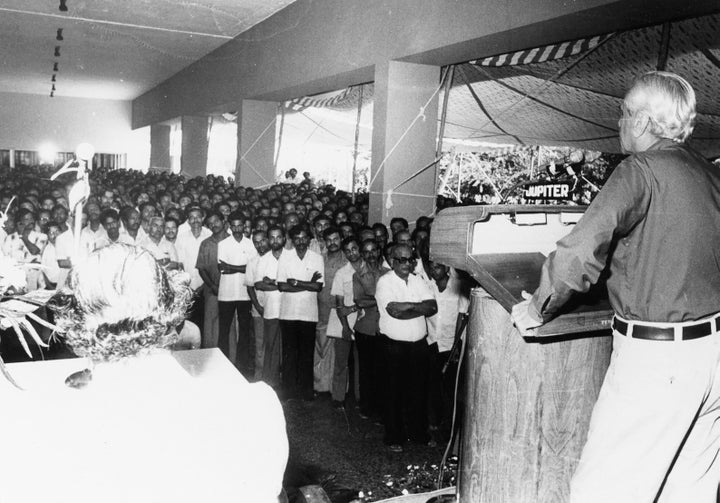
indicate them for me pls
(406, 366)
(298, 347)
(246, 342)
(272, 342)
(344, 370)
(372, 377)
(441, 390)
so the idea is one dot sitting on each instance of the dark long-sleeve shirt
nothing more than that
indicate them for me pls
(661, 210)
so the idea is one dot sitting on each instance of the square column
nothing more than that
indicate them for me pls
(160, 146)
(195, 133)
(403, 143)
(255, 165)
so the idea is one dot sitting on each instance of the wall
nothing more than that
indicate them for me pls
(27, 121)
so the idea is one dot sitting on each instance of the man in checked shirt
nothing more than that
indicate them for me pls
(655, 429)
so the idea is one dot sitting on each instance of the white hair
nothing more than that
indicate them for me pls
(669, 102)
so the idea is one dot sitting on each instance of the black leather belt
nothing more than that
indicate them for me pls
(688, 332)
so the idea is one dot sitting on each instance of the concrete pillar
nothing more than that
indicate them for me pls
(160, 146)
(193, 159)
(401, 90)
(256, 143)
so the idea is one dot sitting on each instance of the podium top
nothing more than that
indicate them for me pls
(504, 248)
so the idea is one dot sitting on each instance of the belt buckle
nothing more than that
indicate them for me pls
(620, 326)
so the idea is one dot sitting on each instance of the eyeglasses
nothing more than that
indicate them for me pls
(404, 260)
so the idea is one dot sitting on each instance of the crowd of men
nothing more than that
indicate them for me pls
(290, 282)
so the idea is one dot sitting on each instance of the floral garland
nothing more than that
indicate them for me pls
(80, 321)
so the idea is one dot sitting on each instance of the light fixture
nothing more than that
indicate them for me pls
(59, 35)
(53, 79)
(47, 153)
(52, 94)
(63, 6)
(55, 66)
(57, 51)
(53, 87)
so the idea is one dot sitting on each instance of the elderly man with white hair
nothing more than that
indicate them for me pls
(655, 429)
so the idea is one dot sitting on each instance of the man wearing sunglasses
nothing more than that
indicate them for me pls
(403, 301)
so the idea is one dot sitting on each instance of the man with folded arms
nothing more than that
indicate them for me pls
(403, 301)
(266, 274)
(655, 429)
(299, 278)
(234, 253)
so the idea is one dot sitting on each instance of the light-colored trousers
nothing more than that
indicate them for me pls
(655, 428)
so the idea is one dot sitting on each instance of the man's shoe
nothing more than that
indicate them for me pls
(395, 448)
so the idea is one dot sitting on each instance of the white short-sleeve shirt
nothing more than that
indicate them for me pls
(188, 247)
(300, 306)
(94, 236)
(251, 279)
(342, 286)
(164, 249)
(268, 266)
(391, 288)
(451, 301)
(232, 286)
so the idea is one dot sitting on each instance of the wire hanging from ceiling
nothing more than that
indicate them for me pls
(60, 38)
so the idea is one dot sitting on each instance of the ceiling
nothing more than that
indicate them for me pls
(114, 49)
(573, 100)
(576, 100)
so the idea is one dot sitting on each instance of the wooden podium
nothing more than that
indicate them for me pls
(527, 401)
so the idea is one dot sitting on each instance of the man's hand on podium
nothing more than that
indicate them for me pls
(522, 318)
